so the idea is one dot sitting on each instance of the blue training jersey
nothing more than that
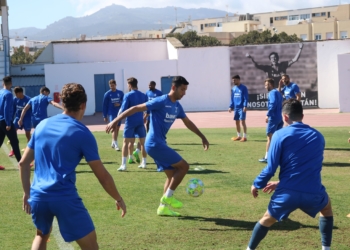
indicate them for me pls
(151, 94)
(163, 114)
(133, 98)
(59, 143)
(18, 106)
(6, 106)
(239, 97)
(298, 150)
(274, 107)
(39, 105)
(290, 91)
(110, 102)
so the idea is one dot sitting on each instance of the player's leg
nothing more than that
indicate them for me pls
(163, 210)
(143, 152)
(140, 132)
(244, 125)
(238, 126)
(131, 142)
(125, 151)
(40, 240)
(326, 225)
(12, 136)
(89, 242)
(115, 138)
(264, 159)
(2, 136)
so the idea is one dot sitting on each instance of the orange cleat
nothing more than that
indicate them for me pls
(243, 139)
(236, 138)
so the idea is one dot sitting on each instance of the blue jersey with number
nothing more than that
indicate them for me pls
(18, 106)
(39, 105)
(239, 97)
(274, 107)
(133, 98)
(59, 143)
(163, 113)
(290, 91)
(112, 101)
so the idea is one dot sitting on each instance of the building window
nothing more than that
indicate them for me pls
(329, 35)
(303, 37)
(219, 24)
(150, 35)
(323, 13)
(139, 35)
(318, 37)
(294, 17)
(305, 16)
(316, 14)
(343, 34)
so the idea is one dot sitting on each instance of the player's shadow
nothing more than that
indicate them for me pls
(336, 164)
(258, 140)
(177, 150)
(190, 144)
(205, 171)
(338, 149)
(286, 225)
(200, 164)
(105, 162)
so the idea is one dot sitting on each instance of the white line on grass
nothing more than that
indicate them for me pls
(62, 245)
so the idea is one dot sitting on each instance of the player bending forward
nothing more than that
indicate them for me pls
(163, 112)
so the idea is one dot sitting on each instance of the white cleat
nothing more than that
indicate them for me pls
(112, 145)
(122, 168)
(116, 148)
(142, 166)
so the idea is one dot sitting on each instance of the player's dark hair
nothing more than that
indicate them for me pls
(133, 82)
(276, 55)
(285, 75)
(179, 80)
(44, 89)
(112, 81)
(153, 83)
(72, 96)
(271, 81)
(236, 77)
(7, 80)
(18, 90)
(293, 109)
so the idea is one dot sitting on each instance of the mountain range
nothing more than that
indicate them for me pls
(115, 19)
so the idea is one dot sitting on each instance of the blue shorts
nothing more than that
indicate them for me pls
(273, 126)
(27, 124)
(239, 115)
(163, 156)
(112, 117)
(73, 219)
(284, 201)
(36, 122)
(135, 132)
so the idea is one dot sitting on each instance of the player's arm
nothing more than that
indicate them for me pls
(24, 169)
(296, 58)
(271, 105)
(297, 92)
(232, 104)
(191, 126)
(8, 108)
(56, 105)
(245, 99)
(105, 104)
(280, 86)
(139, 108)
(23, 113)
(107, 182)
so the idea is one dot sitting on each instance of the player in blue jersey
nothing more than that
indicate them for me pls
(274, 113)
(6, 115)
(112, 101)
(239, 102)
(19, 102)
(53, 192)
(151, 94)
(164, 110)
(134, 125)
(39, 104)
(298, 150)
(289, 89)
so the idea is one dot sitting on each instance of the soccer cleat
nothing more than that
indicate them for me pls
(236, 138)
(263, 160)
(112, 145)
(8, 143)
(136, 155)
(122, 168)
(116, 148)
(130, 161)
(171, 201)
(2, 168)
(165, 211)
(11, 153)
(243, 139)
(142, 165)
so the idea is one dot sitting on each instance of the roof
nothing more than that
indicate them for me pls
(28, 80)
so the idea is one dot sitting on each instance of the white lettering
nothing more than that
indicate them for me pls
(303, 94)
(168, 116)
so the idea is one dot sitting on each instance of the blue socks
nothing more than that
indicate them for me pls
(259, 233)
(326, 229)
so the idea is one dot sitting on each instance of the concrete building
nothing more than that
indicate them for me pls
(4, 40)
(30, 46)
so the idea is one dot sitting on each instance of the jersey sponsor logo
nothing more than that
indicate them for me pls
(167, 106)
(169, 116)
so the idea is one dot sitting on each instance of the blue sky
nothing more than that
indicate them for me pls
(40, 13)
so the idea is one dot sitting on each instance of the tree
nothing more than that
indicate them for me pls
(20, 57)
(255, 37)
(191, 39)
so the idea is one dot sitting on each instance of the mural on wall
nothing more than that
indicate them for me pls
(255, 63)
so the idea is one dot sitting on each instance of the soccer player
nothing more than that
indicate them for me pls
(298, 150)
(239, 101)
(274, 113)
(151, 94)
(164, 110)
(53, 192)
(19, 102)
(112, 101)
(276, 69)
(6, 115)
(289, 89)
(134, 125)
(39, 104)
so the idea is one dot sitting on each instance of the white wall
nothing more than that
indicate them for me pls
(344, 82)
(208, 72)
(110, 51)
(56, 75)
(327, 67)
(172, 51)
